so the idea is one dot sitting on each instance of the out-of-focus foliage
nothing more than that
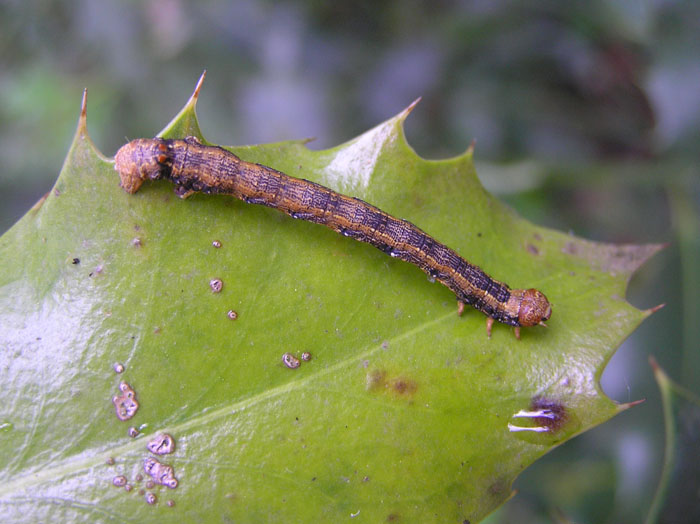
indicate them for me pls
(676, 498)
(594, 107)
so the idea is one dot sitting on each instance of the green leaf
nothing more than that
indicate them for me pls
(406, 412)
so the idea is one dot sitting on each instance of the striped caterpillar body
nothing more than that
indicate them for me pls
(194, 167)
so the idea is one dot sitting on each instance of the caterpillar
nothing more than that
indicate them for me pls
(195, 167)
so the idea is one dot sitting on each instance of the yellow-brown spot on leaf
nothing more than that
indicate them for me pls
(401, 386)
(497, 487)
(375, 379)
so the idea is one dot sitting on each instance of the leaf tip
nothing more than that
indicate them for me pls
(659, 374)
(470, 150)
(654, 309)
(198, 87)
(192, 102)
(83, 104)
(653, 363)
(655, 368)
(404, 114)
(185, 122)
(82, 119)
(626, 405)
(82, 137)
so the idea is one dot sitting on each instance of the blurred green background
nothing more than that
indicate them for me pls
(586, 117)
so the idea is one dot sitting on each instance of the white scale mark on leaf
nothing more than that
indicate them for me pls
(352, 167)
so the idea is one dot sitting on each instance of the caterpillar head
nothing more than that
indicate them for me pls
(534, 308)
(141, 159)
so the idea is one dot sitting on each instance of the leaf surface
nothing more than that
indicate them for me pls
(406, 412)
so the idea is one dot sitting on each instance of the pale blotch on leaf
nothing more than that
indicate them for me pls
(162, 444)
(125, 403)
(290, 361)
(119, 481)
(543, 416)
(160, 473)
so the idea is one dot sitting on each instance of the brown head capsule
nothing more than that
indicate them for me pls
(141, 159)
(534, 308)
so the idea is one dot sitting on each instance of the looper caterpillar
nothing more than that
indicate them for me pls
(194, 167)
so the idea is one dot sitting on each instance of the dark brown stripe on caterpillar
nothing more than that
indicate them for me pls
(194, 167)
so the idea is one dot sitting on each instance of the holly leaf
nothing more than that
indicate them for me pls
(404, 412)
